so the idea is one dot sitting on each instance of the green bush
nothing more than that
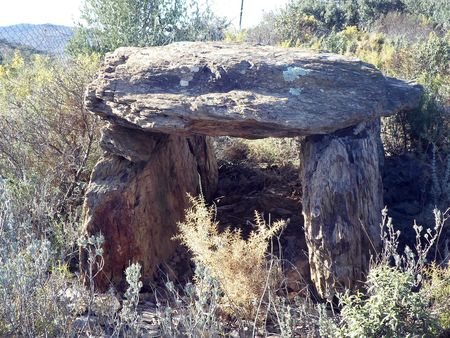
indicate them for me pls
(398, 300)
(48, 145)
(295, 26)
(32, 299)
(435, 11)
(109, 24)
(40, 297)
(438, 286)
(193, 312)
(390, 308)
(336, 15)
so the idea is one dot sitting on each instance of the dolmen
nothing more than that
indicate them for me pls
(161, 106)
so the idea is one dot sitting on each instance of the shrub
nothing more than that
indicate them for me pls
(395, 303)
(438, 288)
(128, 319)
(371, 10)
(333, 16)
(33, 299)
(269, 151)
(110, 24)
(297, 317)
(427, 63)
(294, 26)
(201, 308)
(404, 26)
(424, 61)
(402, 298)
(238, 264)
(407, 40)
(391, 309)
(195, 311)
(274, 151)
(265, 32)
(41, 298)
(48, 145)
(440, 180)
(433, 11)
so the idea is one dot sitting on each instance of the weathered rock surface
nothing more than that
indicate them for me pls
(342, 202)
(156, 99)
(137, 194)
(241, 90)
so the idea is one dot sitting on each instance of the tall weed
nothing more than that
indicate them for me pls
(238, 264)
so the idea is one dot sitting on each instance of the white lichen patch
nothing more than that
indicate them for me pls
(194, 69)
(295, 91)
(293, 73)
(184, 83)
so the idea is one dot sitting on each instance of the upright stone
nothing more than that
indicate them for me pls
(342, 202)
(137, 194)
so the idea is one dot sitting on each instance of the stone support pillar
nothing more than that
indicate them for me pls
(342, 202)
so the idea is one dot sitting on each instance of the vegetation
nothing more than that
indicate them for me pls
(8, 50)
(395, 304)
(107, 25)
(402, 296)
(423, 61)
(438, 286)
(41, 297)
(49, 146)
(280, 152)
(238, 265)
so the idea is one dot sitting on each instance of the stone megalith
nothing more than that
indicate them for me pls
(137, 194)
(162, 102)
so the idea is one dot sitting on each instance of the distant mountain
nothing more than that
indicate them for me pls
(45, 38)
(7, 50)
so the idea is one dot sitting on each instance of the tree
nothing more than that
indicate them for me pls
(109, 24)
(437, 11)
(371, 10)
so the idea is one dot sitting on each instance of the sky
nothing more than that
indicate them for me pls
(66, 12)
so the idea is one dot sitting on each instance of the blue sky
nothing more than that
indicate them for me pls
(65, 12)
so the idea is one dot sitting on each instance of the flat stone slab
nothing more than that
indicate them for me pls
(243, 91)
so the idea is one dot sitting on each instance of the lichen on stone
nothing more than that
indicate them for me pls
(293, 73)
(194, 69)
(184, 83)
(295, 91)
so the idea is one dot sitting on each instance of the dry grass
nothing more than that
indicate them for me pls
(268, 151)
(238, 264)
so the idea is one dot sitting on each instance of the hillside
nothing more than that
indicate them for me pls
(46, 38)
(7, 50)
